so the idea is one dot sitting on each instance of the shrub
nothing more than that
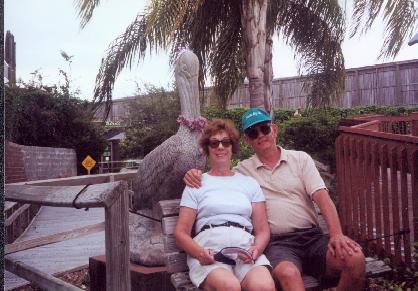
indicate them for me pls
(42, 116)
(402, 278)
(151, 120)
(314, 134)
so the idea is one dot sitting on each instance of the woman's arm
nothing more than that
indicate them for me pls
(261, 228)
(184, 240)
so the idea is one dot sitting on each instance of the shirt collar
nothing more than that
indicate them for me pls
(283, 157)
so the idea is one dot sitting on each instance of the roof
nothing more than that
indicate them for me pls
(118, 136)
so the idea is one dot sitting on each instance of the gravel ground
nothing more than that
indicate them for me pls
(78, 278)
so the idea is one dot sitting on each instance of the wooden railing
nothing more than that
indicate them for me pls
(116, 166)
(377, 176)
(109, 191)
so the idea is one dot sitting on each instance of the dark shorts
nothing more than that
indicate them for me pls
(305, 248)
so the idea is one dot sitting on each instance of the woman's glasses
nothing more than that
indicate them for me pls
(214, 143)
(252, 132)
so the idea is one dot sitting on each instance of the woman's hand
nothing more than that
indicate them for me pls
(205, 257)
(255, 253)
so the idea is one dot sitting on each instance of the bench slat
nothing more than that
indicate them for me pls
(168, 208)
(176, 262)
(375, 267)
(181, 281)
(170, 244)
(169, 224)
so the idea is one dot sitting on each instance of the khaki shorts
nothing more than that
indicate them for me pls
(216, 239)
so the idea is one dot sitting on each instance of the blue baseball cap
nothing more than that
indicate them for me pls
(254, 116)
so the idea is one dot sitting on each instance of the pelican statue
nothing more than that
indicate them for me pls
(160, 173)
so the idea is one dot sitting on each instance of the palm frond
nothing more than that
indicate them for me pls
(212, 30)
(86, 9)
(120, 54)
(315, 29)
(400, 18)
(227, 58)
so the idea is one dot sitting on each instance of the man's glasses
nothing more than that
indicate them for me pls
(214, 143)
(252, 132)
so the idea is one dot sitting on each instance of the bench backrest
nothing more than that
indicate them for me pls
(168, 210)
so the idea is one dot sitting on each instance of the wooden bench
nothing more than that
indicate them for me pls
(176, 264)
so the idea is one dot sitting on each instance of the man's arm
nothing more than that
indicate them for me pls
(339, 244)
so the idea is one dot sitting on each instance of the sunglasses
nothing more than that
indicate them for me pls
(214, 143)
(253, 131)
(232, 255)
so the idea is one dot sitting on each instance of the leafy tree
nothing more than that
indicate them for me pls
(44, 116)
(401, 21)
(151, 120)
(227, 34)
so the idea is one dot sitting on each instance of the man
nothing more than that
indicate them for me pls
(291, 183)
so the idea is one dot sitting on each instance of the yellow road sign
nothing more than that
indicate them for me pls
(88, 163)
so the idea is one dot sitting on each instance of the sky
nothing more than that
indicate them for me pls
(43, 28)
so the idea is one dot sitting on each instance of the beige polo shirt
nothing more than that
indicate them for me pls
(288, 188)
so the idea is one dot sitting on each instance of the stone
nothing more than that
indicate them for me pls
(145, 240)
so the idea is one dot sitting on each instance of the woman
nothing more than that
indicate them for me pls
(226, 209)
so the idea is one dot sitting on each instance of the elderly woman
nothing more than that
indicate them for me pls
(226, 210)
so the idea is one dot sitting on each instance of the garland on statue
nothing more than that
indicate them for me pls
(194, 124)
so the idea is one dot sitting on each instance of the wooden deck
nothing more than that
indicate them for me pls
(61, 256)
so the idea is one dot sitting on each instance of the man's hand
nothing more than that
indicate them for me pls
(341, 246)
(206, 257)
(193, 178)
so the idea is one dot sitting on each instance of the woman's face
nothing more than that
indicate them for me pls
(220, 149)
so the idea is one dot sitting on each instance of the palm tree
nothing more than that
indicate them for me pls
(233, 38)
(401, 21)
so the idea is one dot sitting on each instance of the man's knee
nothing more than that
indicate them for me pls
(286, 271)
(355, 264)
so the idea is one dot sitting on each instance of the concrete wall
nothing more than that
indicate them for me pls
(14, 166)
(38, 163)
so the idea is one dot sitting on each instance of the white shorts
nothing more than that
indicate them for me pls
(217, 238)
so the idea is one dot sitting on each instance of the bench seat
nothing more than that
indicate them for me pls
(175, 258)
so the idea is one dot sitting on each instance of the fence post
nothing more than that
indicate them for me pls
(414, 127)
(117, 243)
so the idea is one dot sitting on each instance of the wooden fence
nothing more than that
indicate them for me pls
(109, 191)
(377, 176)
(388, 84)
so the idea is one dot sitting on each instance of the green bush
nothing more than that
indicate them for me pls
(151, 120)
(402, 278)
(43, 116)
(314, 134)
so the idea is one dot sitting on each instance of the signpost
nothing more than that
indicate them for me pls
(88, 163)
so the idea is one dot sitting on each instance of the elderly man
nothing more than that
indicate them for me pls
(291, 183)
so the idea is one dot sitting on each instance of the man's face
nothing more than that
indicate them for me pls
(261, 136)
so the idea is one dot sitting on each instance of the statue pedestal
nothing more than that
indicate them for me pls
(142, 278)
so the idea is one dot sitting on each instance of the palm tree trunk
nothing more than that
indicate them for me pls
(268, 73)
(253, 21)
